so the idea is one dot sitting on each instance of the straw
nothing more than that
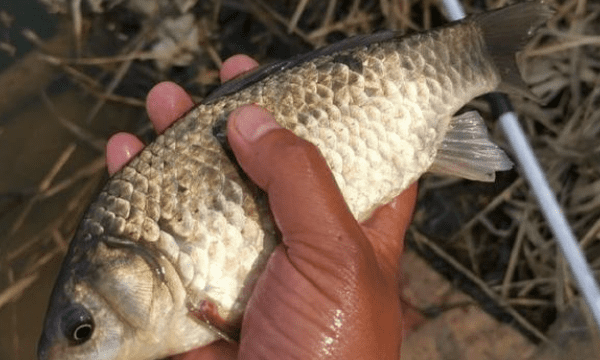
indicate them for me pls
(530, 168)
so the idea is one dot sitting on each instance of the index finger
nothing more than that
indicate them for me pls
(167, 102)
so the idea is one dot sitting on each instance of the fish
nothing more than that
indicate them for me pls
(166, 258)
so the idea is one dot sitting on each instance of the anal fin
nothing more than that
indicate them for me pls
(467, 151)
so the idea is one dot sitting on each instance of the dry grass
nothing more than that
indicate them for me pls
(505, 249)
(492, 236)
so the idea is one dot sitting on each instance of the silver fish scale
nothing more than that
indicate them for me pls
(376, 125)
(377, 113)
(176, 197)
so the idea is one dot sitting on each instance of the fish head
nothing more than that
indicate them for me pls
(108, 303)
(80, 327)
(80, 324)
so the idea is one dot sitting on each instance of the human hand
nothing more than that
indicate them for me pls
(166, 102)
(331, 290)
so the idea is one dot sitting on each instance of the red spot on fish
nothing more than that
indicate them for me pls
(208, 312)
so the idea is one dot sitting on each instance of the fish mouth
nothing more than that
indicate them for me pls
(43, 348)
(47, 349)
(46, 346)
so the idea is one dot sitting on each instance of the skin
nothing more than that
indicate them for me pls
(332, 289)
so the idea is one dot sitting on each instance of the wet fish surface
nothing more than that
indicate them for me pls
(181, 225)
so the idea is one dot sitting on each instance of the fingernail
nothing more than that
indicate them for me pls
(252, 122)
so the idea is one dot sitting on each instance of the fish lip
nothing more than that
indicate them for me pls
(43, 348)
(70, 272)
(51, 333)
(45, 343)
(42, 354)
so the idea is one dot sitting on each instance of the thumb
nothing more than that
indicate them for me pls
(325, 281)
(302, 191)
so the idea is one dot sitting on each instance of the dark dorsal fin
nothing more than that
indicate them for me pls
(262, 72)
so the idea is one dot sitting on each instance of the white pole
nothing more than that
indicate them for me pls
(546, 199)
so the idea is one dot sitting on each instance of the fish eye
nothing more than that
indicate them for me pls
(82, 332)
(77, 325)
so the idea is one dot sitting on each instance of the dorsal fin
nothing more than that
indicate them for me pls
(262, 72)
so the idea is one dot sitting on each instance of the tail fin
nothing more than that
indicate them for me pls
(505, 31)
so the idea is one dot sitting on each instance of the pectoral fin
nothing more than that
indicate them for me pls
(468, 152)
